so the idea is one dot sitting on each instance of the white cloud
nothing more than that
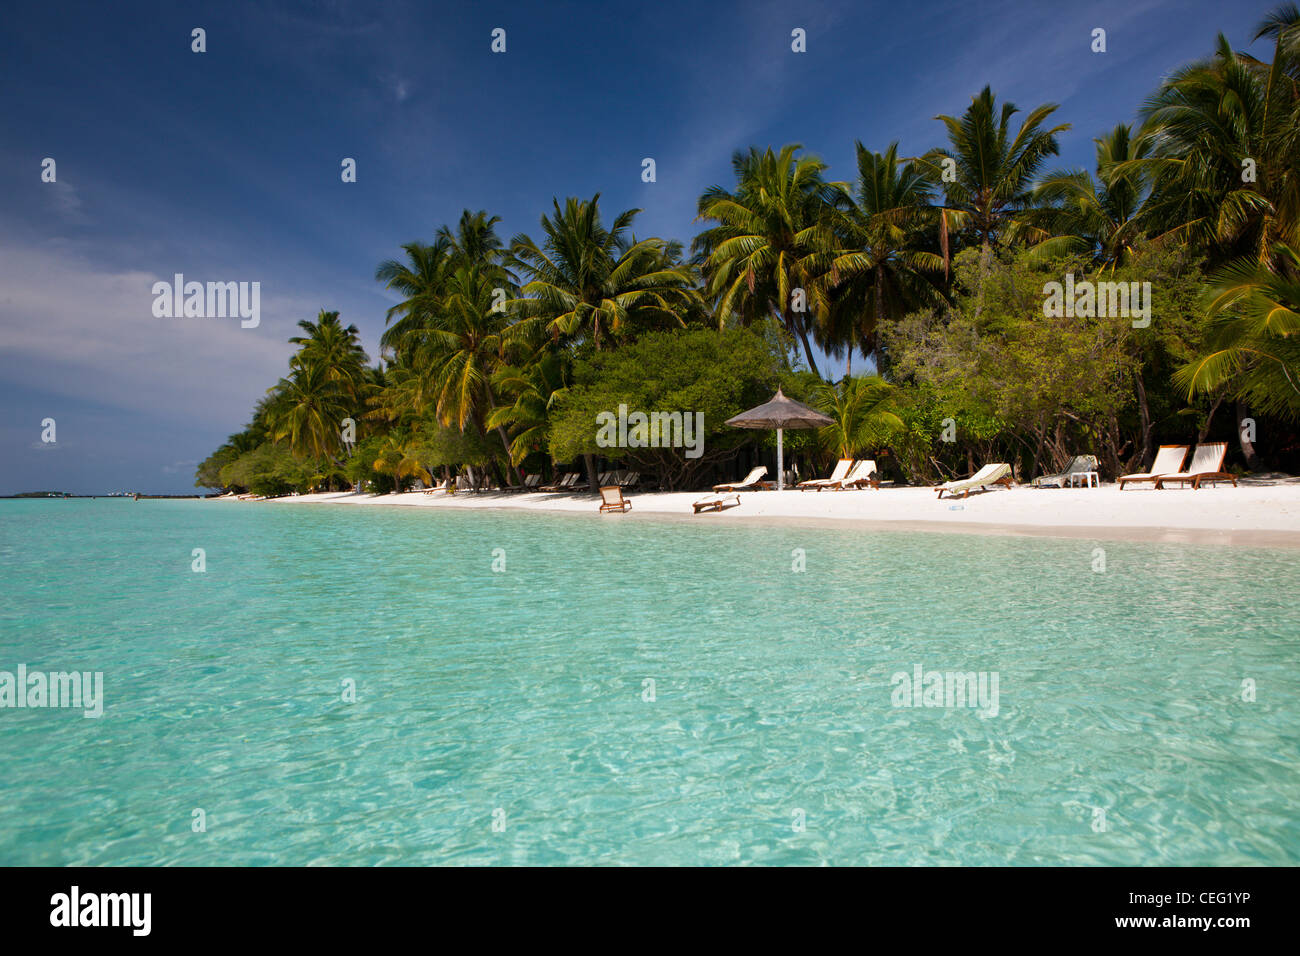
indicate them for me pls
(66, 201)
(74, 329)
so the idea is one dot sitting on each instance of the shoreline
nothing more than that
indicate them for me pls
(1262, 515)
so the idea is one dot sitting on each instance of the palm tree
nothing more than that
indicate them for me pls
(422, 279)
(335, 350)
(398, 457)
(460, 353)
(1102, 218)
(446, 335)
(1253, 345)
(401, 393)
(863, 411)
(987, 172)
(534, 387)
(1226, 171)
(768, 227)
(586, 280)
(475, 242)
(1226, 157)
(308, 410)
(878, 269)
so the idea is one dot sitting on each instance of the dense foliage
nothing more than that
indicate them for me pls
(499, 357)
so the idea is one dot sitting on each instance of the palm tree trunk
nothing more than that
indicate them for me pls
(880, 314)
(590, 462)
(493, 466)
(986, 260)
(510, 463)
(1209, 418)
(790, 320)
(1148, 429)
(505, 442)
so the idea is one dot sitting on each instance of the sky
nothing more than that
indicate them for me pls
(225, 165)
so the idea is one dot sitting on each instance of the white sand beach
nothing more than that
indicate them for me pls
(1259, 512)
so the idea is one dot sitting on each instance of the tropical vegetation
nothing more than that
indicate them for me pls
(498, 355)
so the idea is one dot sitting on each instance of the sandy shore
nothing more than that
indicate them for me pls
(1264, 513)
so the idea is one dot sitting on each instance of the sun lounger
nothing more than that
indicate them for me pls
(1081, 464)
(443, 485)
(612, 499)
(563, 484)
(1169, 461)
(530, 482)
(751, 481)
(997, 474)
(859, 476)
(1207, 465)
(841, 470)
(716, 502)
(533, 482)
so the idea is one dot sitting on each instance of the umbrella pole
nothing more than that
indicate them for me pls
(780, 463)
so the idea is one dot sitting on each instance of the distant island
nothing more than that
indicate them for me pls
(108, 494)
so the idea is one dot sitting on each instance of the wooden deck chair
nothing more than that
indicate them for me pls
(861, 475)
(751, 481)
(563, 484)
(611, 499)
(1169, 461)
(1207, 465)
(837, 475)
(716, 502)
(530, 481)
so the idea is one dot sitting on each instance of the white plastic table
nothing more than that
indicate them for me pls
(1090, 479)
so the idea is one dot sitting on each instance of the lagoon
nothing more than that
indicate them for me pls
(635, 692)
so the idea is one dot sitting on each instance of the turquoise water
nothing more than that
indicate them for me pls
(1120, 693)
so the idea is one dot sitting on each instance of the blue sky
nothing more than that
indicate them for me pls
(225, 165)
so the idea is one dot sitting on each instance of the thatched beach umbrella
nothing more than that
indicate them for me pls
(781, 413)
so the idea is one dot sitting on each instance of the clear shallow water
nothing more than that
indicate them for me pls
(523, 691)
